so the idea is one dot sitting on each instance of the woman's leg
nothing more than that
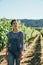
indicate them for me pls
(10, 59)
(17, 61)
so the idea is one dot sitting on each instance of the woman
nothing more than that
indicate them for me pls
(14, 45)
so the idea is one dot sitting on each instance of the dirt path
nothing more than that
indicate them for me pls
(30, 55)
(41, 50)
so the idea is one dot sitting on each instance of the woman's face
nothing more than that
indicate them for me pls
(15, 24)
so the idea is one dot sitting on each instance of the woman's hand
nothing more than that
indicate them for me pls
(6, 56)
(21, 56)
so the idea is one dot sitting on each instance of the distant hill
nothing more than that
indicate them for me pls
(32, 23)
(29, 22)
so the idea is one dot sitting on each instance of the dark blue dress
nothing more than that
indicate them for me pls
(18, 39)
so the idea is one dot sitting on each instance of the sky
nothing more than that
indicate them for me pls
(21, 9)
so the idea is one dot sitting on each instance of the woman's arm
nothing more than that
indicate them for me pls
(7, 47)
(21, 46)
(21, 41)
